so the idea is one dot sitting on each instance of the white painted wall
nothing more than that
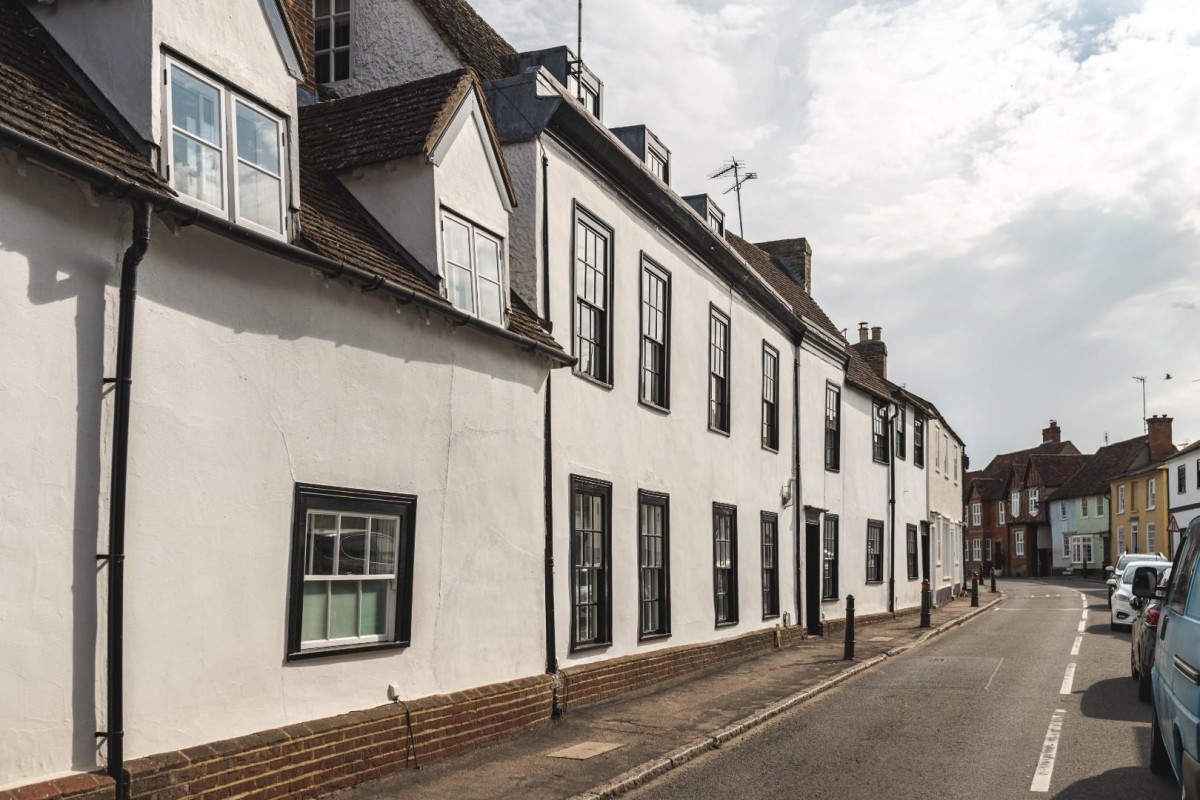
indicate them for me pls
(1185, 505)
(912, 508)
(392, 43)
(249, 376)
(606, 434)
(864, 497)
(945, 500)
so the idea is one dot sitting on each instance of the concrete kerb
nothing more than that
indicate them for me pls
(643, 773)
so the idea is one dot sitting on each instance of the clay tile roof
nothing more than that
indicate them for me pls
(1000, 466)
(337, 227)
(1107, 463)
(778, 279)
(990, 488)
(474, 41)
(383, 125)
(1055, 470)
(42, 100)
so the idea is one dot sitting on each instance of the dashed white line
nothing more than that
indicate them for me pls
(1075, 647)
(1068, 679)
(1082, 625)
(1045, 767)
(988, 685)
(1085, 613)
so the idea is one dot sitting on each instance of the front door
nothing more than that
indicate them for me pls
(812, 583)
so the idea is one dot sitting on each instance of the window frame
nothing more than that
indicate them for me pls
(310, 497)
(656, 271)
(833, 451)
(333, 47)
(1001, 509)
(874, 532)
(653, 156)
(474, 230)
(594, 488)
(977, 550)
(1035, 500)
(919, 439)
(770, 574)
(1014, 502)
(976, 514)
(715, 315)
(1151, 534)
(879, 426)
(581, 216)
(1151, 494)
(229, 96)
(663, 501)
(910, 536)
(1181, 479)
(989, 549)
(901, 434)
(770, 404)
(1121, 499)
(1019, 542)
(829, 558)
(720, 511)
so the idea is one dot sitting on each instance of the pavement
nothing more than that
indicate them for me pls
(620, 745)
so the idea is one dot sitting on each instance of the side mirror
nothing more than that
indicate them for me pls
(1145, 582)
(1135, 603)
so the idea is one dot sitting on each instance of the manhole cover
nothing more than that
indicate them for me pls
(584, 750)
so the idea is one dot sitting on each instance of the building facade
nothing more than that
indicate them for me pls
(1139, 496)
(1183, 479)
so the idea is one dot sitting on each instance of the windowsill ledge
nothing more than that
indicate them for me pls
(344, 650)
(592, 380)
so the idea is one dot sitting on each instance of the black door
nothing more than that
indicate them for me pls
(812, 584)
(925, 551)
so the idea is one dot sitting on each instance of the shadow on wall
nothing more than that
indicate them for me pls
(61, 270)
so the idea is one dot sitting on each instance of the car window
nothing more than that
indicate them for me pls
(1185, 569)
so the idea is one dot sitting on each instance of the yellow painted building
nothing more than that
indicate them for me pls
(1138, 498)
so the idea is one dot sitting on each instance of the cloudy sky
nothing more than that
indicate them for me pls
(1010, 188)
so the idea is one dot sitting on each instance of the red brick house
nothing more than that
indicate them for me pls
(1029, 550)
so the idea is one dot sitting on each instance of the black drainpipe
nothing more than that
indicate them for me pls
(891, 443)
(116, 511)
(546, 243)
(548, 489)
(799, 518)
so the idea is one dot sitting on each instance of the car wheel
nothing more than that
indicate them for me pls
(1160, 762)
(1145, 689)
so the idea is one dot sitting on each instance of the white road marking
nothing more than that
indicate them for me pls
(1045, 767)
(1075, 647)
(1068, 679)
(1082, 625)
(988, 685)
(1085, 613)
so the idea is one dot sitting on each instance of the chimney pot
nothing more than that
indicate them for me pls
(862, 331)
(1052, 433)
(877, 333)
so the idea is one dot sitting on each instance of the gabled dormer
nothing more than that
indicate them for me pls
(708, 210)
(649, 149)
(580, 82)
(208, 89)
(422, 159)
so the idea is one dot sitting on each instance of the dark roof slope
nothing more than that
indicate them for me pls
(383, 125)
(1000, 466)
(1105, 464)
(778, 278)
(337, 227)
(475, 42)
(42, 100)
(1055, 470)
(990, 488)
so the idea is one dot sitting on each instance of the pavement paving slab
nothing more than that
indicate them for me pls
(621, 744)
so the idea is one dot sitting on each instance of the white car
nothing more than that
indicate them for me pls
(1122, 613)
(1123, 561)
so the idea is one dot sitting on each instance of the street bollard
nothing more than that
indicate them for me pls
(993, 580)
(974, 590)
(848, 654)
(926, 602)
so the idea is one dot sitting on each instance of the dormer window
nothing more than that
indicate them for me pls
(713, 216)
(473, 266)
(331, 29)
(224, 152)
(717, 223)
(657, 162)
(586, 94)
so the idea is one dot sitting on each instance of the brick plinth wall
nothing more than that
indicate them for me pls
(838, 625)
(313, 758)
(588, 684)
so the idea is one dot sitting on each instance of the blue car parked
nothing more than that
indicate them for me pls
(1175, 738)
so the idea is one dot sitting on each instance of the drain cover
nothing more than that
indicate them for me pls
(584, 750)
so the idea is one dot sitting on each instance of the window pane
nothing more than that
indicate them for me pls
(257, 139)
(460, 288)
(341, 65)
(374, 608)
(343, 609)
(322, 538)
(342, 6)
(487, 258)
(383, 546)
(490, 307)
(352, 549)
(196, 171)
(321, 8)
(341, 31)
(314, 615)
(259, 198)
(195, 107)
(457, 241)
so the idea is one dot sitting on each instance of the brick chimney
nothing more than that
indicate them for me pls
(1052, 433)
(796, 256)
(873, 349)
(1159, 427)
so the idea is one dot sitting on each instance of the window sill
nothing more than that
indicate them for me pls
(770, 616)
(832, 469)
(653, 637)
(718, 431)
(655, 407)
(833, 599)
(727, 624)
(770, 449)
(592, 379)
(878, 582)
(344, 650)
(580, 648)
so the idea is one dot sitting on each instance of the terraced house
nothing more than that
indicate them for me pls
(441, 410)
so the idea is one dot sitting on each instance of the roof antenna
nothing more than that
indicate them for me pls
(579, 53)
(735, 166)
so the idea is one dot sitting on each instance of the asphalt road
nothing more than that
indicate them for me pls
(994, 709)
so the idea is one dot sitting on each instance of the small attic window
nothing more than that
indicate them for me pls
(331, 28)
(717, 223)
(586, 88)
(659, 164)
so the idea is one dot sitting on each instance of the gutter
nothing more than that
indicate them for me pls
(166, 205)
(891, 444)
(798, 520)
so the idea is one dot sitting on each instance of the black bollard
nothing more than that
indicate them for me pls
(926, 602)
(993, 580)
(974, 590)
(848, 654)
